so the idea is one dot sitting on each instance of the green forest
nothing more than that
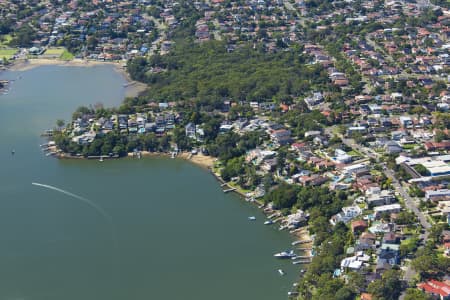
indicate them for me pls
(208, 72)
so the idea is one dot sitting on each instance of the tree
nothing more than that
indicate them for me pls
(405, 218)
(415, 294)
(388, 287)
(344, 293)
(440, 136)
(284, 196)
(356, 282)
(423, 264)
(418, 110)
(60, 123)
(24, 37)
(408, 246)
(421, 169)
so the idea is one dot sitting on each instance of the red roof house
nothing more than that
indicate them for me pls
(436, 288)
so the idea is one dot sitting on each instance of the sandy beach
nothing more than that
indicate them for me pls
(133, 88)
(199, 159)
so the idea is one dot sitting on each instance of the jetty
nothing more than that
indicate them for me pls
(301, 261)
(102, 157)
(301, 242)
(47, 133)
(304, 256)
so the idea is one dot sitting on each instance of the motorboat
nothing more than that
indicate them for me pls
(252, 218)
(281, 272)
(268, 222)
(285, 254)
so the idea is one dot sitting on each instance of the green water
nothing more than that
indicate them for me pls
(174, 233)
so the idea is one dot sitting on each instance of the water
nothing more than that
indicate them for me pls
(174, 234)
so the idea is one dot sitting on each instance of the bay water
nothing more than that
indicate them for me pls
(168, 232)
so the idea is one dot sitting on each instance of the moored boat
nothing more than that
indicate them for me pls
(285, 254)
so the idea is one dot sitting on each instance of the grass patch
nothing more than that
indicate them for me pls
(7, 53)
(238, 188)
(4, 40)
(354, 153)
(66, 55)
(57, 52)
(409, 146)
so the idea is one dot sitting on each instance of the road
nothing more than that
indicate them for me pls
(410, 203)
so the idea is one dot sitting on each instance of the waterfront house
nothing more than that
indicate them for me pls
(85, 138)
(190, 130)
(269, 164)
(348, 213)
(354, 263)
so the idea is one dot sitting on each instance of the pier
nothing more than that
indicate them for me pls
(301, 242)
(229, 190)
(301, 261)
(47, 133)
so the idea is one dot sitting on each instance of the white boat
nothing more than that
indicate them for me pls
(285, 254)
(252, 218)
(281, 272)
(101, 158)
(268, 222)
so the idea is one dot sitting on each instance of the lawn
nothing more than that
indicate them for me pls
(354, 153)
(66, 55)
(4, 40)
(57, 52)
(8, 53)
(409, 146)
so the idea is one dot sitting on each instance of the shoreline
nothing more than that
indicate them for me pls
(204, 161)
(132, 88)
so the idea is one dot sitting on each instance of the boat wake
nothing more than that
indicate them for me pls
(91, 204)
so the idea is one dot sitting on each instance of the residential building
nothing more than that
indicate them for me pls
(436, 289)
(379, 198)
